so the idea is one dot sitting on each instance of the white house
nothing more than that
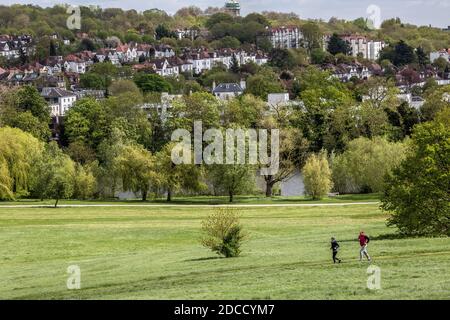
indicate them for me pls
(360, 45)
(74, 64)
(59, 100)
(285, 37)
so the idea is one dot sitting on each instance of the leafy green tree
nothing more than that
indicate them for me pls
(245, 111)
(137, 169)
(364, 163)
(162, 31)
(422, 57)
(417, 192)
(282, 59)
(321, 96)
(337, 45)
(312, 35)
(317, 176)
(435, 101)
(232, 179)
(263, 83)
(151, 83)
(91, 80)
(55, 173)
(84, 182)
(86, 121)
(403, 54)
(177, 177)
(18, 153)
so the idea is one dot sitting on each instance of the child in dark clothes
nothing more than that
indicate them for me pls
(335, 248)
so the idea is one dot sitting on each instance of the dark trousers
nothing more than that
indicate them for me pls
(334, 257)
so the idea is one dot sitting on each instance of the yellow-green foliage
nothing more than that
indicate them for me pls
(364, 164)
(18, 151)
(317, 176)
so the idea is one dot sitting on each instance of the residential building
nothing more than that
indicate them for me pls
(285, 37)
(444, 53)
(59, 100)
(361, 46)
(227, 91)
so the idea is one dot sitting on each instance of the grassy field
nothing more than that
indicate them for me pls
(209, 200)
(154, 253)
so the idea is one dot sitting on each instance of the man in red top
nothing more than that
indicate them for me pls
(363, 241)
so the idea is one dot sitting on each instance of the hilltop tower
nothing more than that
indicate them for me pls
(233, 7)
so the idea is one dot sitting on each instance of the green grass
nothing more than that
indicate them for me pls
(210, 200)
(154, 253)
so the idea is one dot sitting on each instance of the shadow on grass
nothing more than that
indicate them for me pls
(203, 259)
(385, 236)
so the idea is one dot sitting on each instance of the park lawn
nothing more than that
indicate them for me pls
(207, 200)
(154, 253)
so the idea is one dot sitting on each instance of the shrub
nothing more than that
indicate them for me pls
(223, 232)
(317, 176)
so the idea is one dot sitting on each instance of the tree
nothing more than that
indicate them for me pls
(337, 45)
(417, 192)
(312, 35)
(321, 96)
(246, 111)
(263, 83)
(151, 83)
(435, 101)
(317, 176)
(18, 153)
(92, 80)
(84, 182)
(223, 232)
(162, 31)
(403, 54)
(422, 58)
(137, 169)
(55, 174)
(232, 179)
(176, 177)
(234, 67)
(87, 122)
(123, 86)
(364, 163)
(282, 59)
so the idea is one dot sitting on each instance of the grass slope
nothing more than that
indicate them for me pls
(154, 253)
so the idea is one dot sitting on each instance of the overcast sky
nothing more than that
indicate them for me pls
(420, 12)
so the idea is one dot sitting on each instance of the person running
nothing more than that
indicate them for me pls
(363, 241)
(335, 248)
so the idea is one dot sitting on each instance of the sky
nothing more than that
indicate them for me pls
(419, 12)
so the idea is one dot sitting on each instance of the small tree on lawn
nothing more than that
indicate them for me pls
(223, 232)
(55, 174)
(317, 176)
